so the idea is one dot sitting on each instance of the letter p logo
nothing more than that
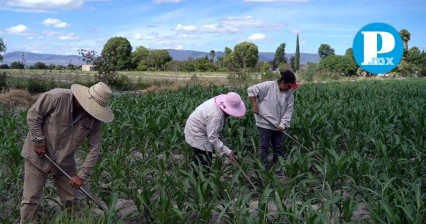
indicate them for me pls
(377, 47)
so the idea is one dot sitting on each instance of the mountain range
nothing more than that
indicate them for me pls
(178, 55)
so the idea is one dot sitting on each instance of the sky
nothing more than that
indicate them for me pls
(65, 26)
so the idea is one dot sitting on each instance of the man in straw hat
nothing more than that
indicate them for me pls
(206, 122)
(58, 123)
(273, 100)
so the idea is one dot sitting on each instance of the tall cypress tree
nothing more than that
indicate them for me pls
(297, 55)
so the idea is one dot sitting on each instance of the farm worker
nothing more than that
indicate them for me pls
(273, 100)
(58, 123)
(206, 122)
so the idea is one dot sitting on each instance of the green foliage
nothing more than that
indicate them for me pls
(297, 55)
(309, 72)
(4, 66)
(343, 65)
(279, 57)
(366, 163)
(228, 59)
(269, 75)
(406, 36)
(3, 78)
(158, 58)
(40, 65)
(212, 55)
(325, 50)
(140, 59)
(17, 65)
(117, 52)
(246, 56)
(293, 63)
(2, 49)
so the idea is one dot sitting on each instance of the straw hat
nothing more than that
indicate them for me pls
(95, 100)
(231, 104)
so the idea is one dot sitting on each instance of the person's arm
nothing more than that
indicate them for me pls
(44, 105)
(254, 104)
(256, 92)
(213, 127)
(95, 145)
(286, 119)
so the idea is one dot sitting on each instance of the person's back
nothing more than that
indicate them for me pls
(196, 124)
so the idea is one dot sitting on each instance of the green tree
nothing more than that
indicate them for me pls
(228, 59)
(51, 67)
(325, 50)
(293, 63)
(117, 50)
(40, 65)
(415, 56)
(279, 57)
(4, 66)
(406, 36)
(339, 64)
(106, 70)
(212, 55)
(2, 49)
(297, 55)
(17, 65)
(158, 58)
(246, 56)
(140, 58)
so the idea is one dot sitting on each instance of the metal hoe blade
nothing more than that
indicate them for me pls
(80, 188)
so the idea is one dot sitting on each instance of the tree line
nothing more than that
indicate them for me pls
(117, 55)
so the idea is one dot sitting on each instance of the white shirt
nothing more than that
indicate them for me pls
(203, 127)
(275, 105)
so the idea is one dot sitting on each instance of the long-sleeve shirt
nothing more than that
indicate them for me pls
(51, 123)
(203, 127)
(275, 105)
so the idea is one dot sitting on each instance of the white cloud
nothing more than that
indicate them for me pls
(43, 4)
(257, 37)
(188, 28)
(276, 0)
(55, 23)
(243, 22)
(69, 36)
(187, 36)
(218, 28)
(167, 1)
(165, 44)
(19, 29)
(51, 33)
(150, 36)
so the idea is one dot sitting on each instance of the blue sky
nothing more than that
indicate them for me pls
(64, 26)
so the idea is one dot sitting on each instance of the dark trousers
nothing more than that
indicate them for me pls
(201, 158)
(268, 137)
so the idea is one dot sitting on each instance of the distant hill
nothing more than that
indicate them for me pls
(32, 58)
(178, 55)
(181, 55)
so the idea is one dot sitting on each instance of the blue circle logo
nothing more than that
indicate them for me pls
(378, 48)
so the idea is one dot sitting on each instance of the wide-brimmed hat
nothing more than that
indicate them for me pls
(231, 104)
(95, 100)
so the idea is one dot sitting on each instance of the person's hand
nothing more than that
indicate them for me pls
(255, 109)
(40, 150)
(76, 182)
(231, 155)
(280, 129)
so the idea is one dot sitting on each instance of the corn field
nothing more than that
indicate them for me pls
(366, 164)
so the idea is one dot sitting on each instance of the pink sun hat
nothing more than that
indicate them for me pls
(231, 104)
